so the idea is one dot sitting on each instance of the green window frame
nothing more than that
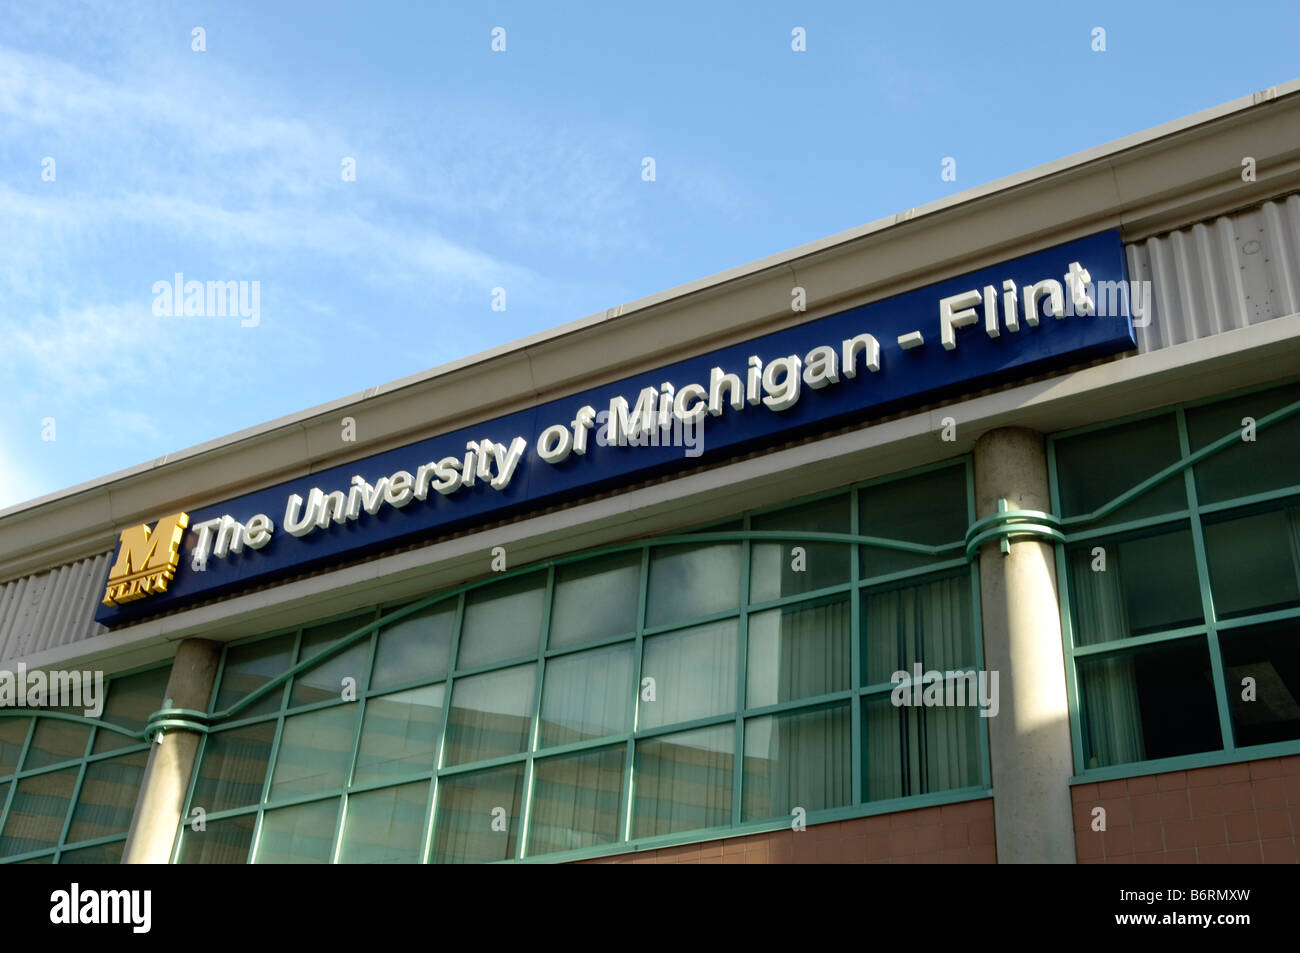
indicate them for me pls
(69, 784)
(611, 738)
(1182, 541)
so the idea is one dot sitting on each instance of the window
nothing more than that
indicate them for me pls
(648, 692)
(67, 789)
(1186, 598)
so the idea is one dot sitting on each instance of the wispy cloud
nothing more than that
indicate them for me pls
(174, 162)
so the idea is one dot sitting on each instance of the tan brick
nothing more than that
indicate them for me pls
(1242, 828)
(1087, 846)
(1229, 773)
(1212, 854)
(1173, 781)
(1279, 850)
(1143, 785)
(1148, 837)
(1210, 831)
(1273, 823)
(1245, 853)
(1265, 768)
(1269, 793)
(1238, 796)
(1179, 835)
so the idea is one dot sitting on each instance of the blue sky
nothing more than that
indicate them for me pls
(478, 169)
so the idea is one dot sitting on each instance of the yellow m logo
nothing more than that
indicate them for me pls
(146, 560)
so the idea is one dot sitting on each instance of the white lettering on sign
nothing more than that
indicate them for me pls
(958, 311)
(665, 415)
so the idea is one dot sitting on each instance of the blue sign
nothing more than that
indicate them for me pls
(1058, 306)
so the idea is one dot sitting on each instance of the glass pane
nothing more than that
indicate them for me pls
(928, 624)
(248, 668)
(1094, 468)
(56, 741)
(399, 736)
(595, 599)
(303, 834)
(233, 769)
(575, 801)
(39, 808)
(929, 508)
(315, 752)
(1270, 462)
(386, 826)
(100, 854)
(802, 759)
(1153, 702)
(587, 695)
(324, 682)
(13, 735)
(683, 781)
(797, 652)
(1147, 585)
(687, 582)
(774, 569)
(478, 816)
(917, 750)
(1270, 655)
(131, 701)
(1254, 562)
(491, 715)
(694, 672)
(225, 841)
(415, 648)
(107, 798)
(502, 621)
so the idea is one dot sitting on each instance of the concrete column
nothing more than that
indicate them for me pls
(167, 775)
(1029, 738)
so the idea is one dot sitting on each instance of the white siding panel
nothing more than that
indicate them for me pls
(1218, 276)
(51, 609)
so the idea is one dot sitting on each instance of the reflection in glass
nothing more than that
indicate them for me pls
(587, 695)
(302, 834)
(687, 582)
(595, 599)
(576, 800)
(491, 715)
(468, 828)
(399, 736)
(802, 759)
(314, 753)
(693, 672)
(683, 781)
(502, 621)
(385, 826)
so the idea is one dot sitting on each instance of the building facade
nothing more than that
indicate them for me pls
(971, 535)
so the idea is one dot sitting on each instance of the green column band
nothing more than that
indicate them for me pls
(188, 719)
(1006, 523)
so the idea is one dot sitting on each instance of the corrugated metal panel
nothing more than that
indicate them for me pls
(50, 609)
(1221, 275)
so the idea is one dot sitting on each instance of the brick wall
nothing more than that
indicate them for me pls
(1240, 813)
(952, 834)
